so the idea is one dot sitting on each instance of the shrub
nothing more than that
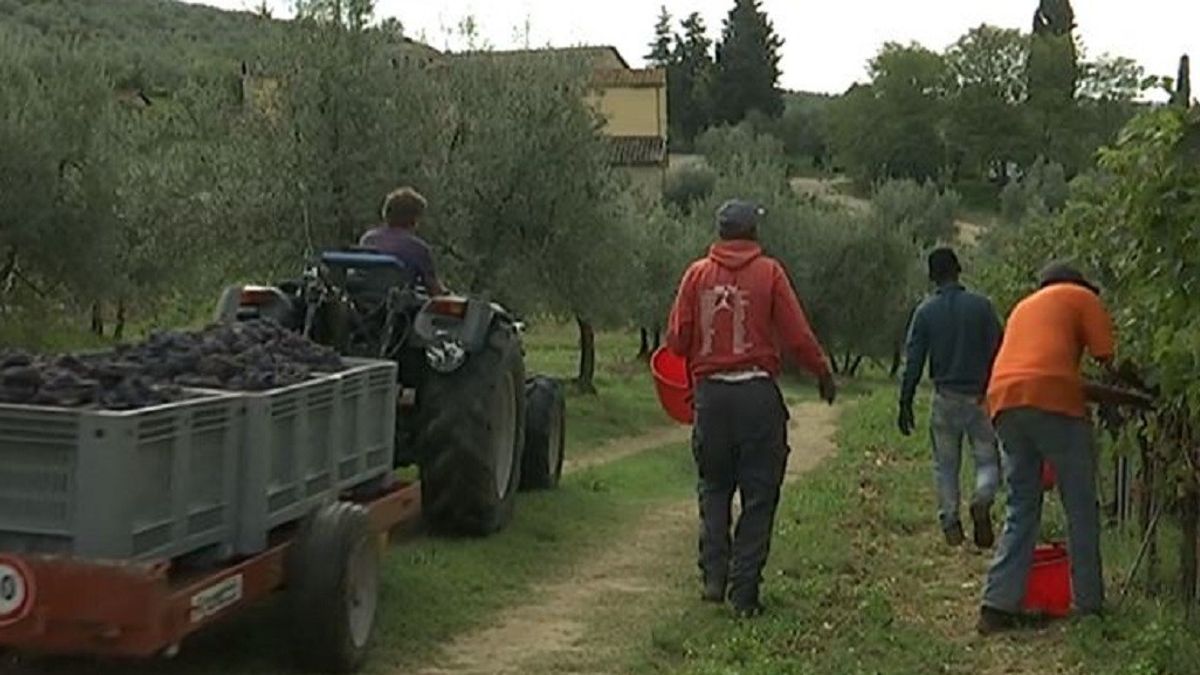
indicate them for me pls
(922, 211)
(688, 183)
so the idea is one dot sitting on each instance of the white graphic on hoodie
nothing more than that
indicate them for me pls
(724, 298)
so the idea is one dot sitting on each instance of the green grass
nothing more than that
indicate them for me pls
(625, 402)
(860, 582)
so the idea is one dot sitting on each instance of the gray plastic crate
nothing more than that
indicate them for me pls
(154, 483)
(366, 421)
(306, 443)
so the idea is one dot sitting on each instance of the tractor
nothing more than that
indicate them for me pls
(478, 429)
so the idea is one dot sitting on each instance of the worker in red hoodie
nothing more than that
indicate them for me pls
(734, 309)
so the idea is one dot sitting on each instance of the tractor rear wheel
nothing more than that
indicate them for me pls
(545, 434)
(471, 436)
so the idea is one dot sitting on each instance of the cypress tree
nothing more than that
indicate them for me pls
(747, 65)
(1183, 84)
(660, 49)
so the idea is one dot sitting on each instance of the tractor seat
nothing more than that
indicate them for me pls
(368, 276)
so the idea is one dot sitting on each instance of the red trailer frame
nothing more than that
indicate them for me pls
(69, 606)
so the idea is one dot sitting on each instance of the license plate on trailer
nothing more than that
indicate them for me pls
(215, 598)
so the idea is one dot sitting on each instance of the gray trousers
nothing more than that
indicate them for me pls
(740, 444)
(1028, 436)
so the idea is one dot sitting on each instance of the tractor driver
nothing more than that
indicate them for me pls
(402, 211)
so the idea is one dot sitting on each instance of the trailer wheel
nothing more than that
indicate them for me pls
(470, 439)
(545, 434)
(333, 589)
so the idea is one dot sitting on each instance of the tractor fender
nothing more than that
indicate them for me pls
(242, 303)
(471, 329)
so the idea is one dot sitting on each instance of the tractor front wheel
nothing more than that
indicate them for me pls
(545, 434)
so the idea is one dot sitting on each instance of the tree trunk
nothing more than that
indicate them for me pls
(657, 339)
(897, 361)
(1189, 525)
(855, 365)
(97, 319)
(119, 328)
(847, 363)
(587, 356)
(644, 349)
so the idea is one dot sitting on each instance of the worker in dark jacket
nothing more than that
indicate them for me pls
(397, 236)
(959, 333)
(732, 310)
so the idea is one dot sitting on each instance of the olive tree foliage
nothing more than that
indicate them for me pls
(161, 205)
(56, 197)
(104, 202)
(922, 212)
(524, 208)
(1042, 189)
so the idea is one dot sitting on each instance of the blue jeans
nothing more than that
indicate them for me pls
(954, 417)
(1028, 436)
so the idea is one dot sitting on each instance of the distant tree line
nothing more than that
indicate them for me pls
(718, 83)
(976, 114)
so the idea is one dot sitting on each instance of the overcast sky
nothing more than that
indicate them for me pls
(827, 41)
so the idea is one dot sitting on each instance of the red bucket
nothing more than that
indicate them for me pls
(673, 385)
(1048, 590)
(1048, 476)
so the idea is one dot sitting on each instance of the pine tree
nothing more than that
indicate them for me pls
(690, 80)
(747, 65)
(660, 48)
(1183, 84)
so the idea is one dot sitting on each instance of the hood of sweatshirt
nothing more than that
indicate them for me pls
(735, 254)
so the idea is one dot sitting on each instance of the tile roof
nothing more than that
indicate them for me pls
(637, 150)
(647, 77)
(594, 55)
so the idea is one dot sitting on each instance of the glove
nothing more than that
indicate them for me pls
(905, 420)
(828, 388)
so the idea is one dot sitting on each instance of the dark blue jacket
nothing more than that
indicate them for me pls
(960, 334)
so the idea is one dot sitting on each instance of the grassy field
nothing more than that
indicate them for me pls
(860, 582)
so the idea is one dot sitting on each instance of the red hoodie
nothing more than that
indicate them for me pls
(734, 309)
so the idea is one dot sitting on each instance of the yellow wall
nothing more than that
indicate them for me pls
(632, 111)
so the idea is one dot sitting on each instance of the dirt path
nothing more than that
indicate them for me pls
(626, 447)
(587, 621)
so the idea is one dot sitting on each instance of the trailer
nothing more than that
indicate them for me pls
(122, 533)
(329, 566)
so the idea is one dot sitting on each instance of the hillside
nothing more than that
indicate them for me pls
(150, 43)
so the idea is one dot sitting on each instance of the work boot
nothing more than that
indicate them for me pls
(714, 590)
(981, 520)
(745, 603)
(954, 534)
(748, 611)
(992, 621)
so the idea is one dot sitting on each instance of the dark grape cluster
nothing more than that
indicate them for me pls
(250, 356)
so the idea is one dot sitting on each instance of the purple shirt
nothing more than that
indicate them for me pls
(406, 247)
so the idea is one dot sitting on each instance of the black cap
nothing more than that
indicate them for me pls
(943, 264)
(738, 217)
(1062, 272)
